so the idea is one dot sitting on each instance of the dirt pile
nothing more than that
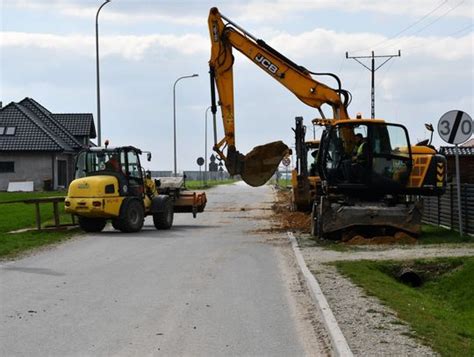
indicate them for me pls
(398, 238)
(283, 219)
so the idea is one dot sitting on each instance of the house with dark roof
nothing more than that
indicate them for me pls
(38, 145)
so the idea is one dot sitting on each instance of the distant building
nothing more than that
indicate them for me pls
(37, 145)
(466, 161)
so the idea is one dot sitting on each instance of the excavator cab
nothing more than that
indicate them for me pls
(367, 157)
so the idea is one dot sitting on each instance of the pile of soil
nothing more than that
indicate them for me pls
(283, 219)
(398, 238)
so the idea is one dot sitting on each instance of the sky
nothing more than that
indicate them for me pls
(47, 52)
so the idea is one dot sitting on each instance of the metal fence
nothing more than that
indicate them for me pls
(443, 210)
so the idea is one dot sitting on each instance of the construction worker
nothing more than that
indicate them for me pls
(360, 159)
(361, 151)
(113, 164)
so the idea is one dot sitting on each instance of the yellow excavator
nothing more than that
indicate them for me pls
(305, 180)
(370, 178)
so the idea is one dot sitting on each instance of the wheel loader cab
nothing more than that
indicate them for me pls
(366, 157)
(122, 163)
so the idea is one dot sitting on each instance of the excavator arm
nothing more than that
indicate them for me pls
(259, 165)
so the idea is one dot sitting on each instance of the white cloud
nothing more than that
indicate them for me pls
(129, 47)
(261, 11)
(256, 10)
(129, 14)
(321, 42)
(313, 44)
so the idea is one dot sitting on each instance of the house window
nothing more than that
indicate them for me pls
(10, 130)
(7, 166)
(7, 130)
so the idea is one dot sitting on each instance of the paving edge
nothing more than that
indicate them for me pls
(338, 341)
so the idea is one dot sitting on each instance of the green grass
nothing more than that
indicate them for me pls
(17, 216)
(440, 312)
(199, 185)
(436, 235)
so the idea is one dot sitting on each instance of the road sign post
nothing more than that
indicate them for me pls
(200, 162)
(456, 127)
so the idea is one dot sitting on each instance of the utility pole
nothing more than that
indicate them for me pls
(373, 69)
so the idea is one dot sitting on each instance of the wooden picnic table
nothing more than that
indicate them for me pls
(37, 202)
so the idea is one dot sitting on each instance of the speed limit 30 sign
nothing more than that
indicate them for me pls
(455, 127)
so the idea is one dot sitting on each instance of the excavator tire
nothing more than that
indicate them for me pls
(92, 224)
(164, 218)
(132, 217)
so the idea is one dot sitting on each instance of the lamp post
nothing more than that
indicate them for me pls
(97, 70)
(205, 147)
(174, 118)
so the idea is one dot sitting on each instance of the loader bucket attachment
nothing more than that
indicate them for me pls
(258, 165)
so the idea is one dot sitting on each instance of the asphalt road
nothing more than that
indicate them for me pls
(210, 286)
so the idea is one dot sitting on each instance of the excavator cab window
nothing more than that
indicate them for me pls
(375, 155)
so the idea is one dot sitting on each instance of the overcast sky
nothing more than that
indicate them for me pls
(47, 52)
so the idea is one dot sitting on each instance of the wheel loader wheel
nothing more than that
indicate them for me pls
(92, 224)
(132, 217)
(164, 219)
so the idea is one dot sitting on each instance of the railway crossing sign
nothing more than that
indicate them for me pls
(455, 127)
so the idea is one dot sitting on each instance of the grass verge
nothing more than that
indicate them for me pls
(440, 312)
(16, 216)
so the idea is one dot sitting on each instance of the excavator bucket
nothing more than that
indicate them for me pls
(258, 165)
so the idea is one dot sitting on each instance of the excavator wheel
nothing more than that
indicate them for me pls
(92, 224)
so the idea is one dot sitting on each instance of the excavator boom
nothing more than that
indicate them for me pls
(259, 165)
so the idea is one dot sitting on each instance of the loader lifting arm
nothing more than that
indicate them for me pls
(259, 165)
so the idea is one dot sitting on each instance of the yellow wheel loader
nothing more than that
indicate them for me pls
(111, 185)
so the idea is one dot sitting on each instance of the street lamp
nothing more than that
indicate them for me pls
(97, 69)
(174, 117)
(205, 146)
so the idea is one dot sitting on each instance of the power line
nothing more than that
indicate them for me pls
(406, 28)
(432, 22)
(451, 34)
